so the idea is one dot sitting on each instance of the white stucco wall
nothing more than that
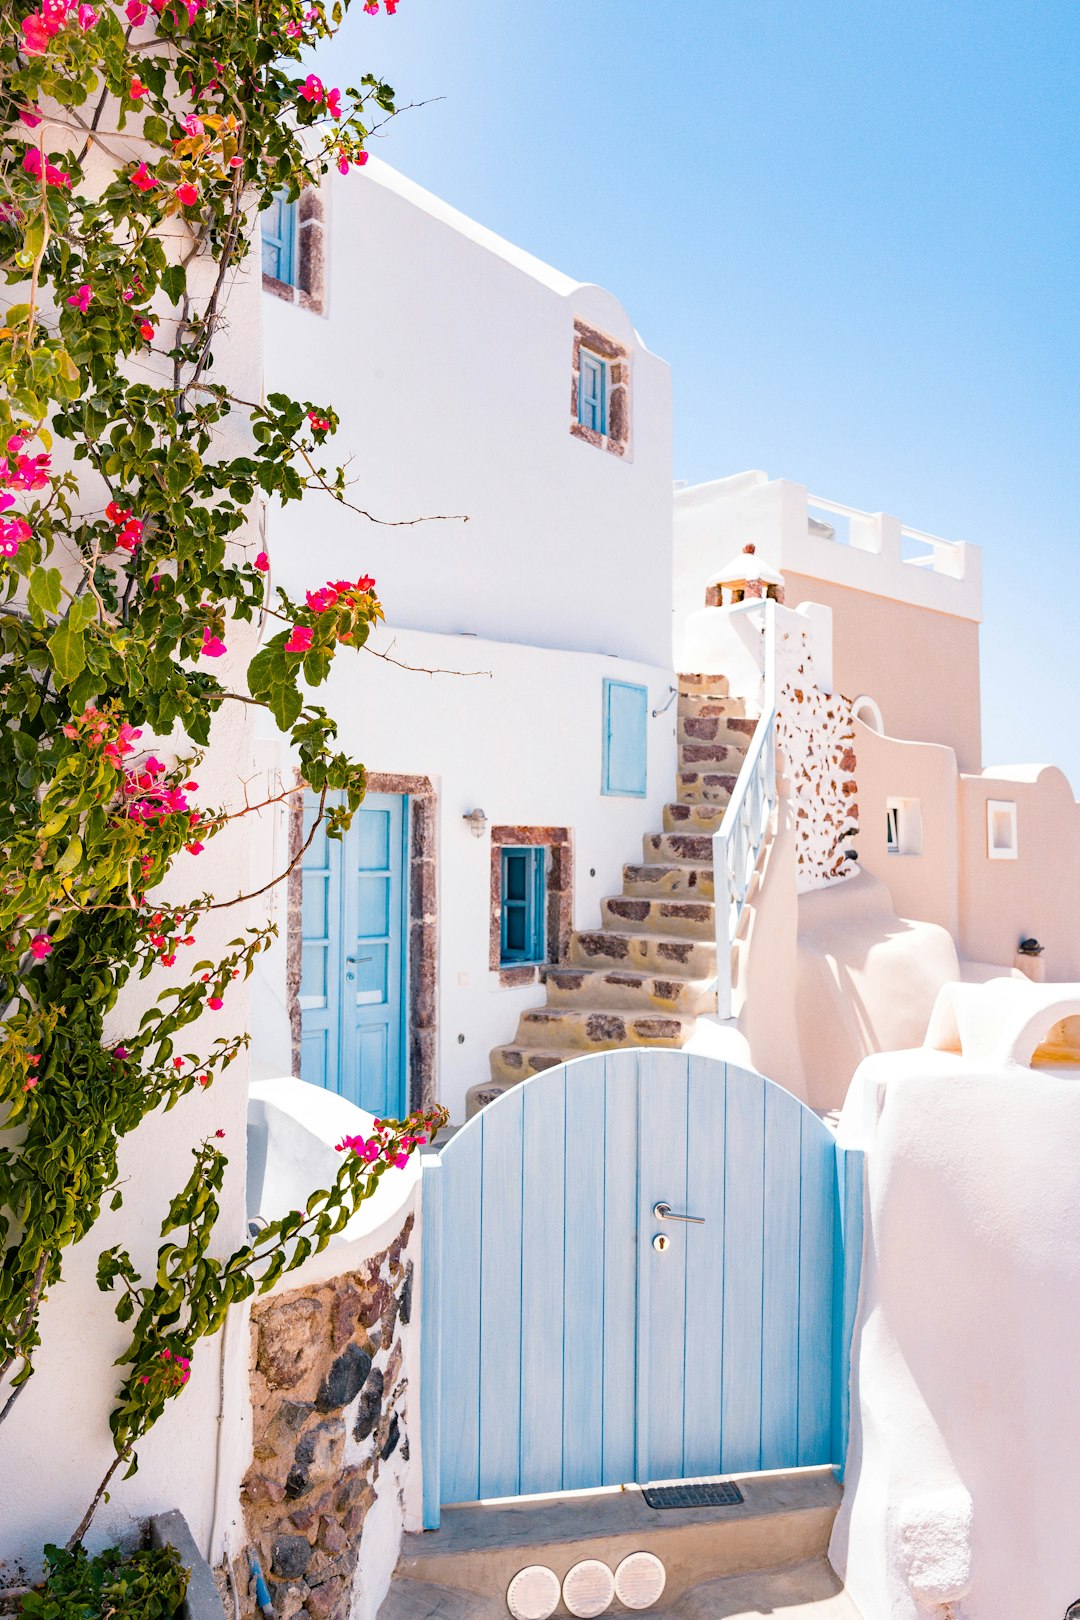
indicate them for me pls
(55, 1446)
(447, 354)
(963, 1472)
(521, 740)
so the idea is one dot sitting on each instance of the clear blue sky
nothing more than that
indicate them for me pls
(852, 228)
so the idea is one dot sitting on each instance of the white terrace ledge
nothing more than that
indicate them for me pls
(821, 539)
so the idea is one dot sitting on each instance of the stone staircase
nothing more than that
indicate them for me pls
(643, 977)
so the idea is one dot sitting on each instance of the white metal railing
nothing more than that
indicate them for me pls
(740, 838)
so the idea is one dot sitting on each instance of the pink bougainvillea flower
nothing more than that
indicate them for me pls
(195, 849)
(87, 17)
(360, 159)
(333, 103)
(236, 162)
(143, 179)
(32, 161)
(137, 90)
(312, 89)
(219, 1134)
(188, 194)
(136, 12)
(319, 601)
(130, 536)
(342, 163)
(36, 35)
(372, 8)
(120, 1051)
(117, 514)
(391, 7)
(193, 125)
(262, 563)
(30, 116)
(146, 330)
(319, 424)
(215, 1002)
(40, 947)
(212, 646)
(300, 639)
(80, 299)
(293, 30)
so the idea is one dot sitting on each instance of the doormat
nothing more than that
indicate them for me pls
(707, 1493)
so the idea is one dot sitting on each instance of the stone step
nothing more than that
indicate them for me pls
(674, 915)
(586, 1029)
(693, 817)
(512, 1063)
(709, 705)
(610, 947)
(487, 1091)
(676, 878)
(681, 847)
(703, 685)
(731, 730)
(768, 1552)
(705, 787)
(695, 756)
(615, 987)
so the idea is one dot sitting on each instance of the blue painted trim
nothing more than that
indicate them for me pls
(530, 904)
(626, 740)
(847, 1273)
(593, 403)
(279, 234)
(431, 1269)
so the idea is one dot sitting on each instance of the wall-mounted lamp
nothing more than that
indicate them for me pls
(477, 822)
(1030, 947)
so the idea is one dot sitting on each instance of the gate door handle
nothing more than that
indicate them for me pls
(664, 1212)
(358, 959)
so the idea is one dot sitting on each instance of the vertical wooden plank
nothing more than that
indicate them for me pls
(542, 1265)
(744, 1148)
(462, 1221)
(848, 1267)
(620, 1265)
(662, 1126)
(780, 1280)
(816, 1265)
(583, 1296)
(703, 1380)
(431, 1279)
(500, 1297)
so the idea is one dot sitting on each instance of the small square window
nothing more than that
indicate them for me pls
(279, 229)
(1001, 843)
(523, 893)
(593, 392)
(903, 826)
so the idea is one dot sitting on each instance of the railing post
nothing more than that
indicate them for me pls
(431, 1280)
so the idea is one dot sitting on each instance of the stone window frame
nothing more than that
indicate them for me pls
(617, 357)
(310, 291)
(559, 841)
(422, 1000)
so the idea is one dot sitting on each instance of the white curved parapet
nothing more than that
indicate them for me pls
(292, 1131)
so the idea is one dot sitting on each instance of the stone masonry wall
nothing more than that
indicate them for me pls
(816, 732)
(328, 1413)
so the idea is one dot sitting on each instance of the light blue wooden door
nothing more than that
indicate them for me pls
(352, 990)
(563, 1350)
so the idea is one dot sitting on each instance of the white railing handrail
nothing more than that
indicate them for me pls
(741, 836)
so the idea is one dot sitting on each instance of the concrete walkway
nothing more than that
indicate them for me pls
(800, 1592)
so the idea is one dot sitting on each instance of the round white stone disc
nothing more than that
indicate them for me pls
(533, 1594)
(588, 1588)
(640, 1580)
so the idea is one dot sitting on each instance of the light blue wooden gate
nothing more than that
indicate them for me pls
(562, 1350)
(352, 987)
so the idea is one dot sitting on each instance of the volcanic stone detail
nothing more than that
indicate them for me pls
(817, 734)
(605, 1027)
(329, 1411)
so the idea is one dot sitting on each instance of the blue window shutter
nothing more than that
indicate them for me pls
(279, 240)
(522, 938)
(592, 404)
(625, 738)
